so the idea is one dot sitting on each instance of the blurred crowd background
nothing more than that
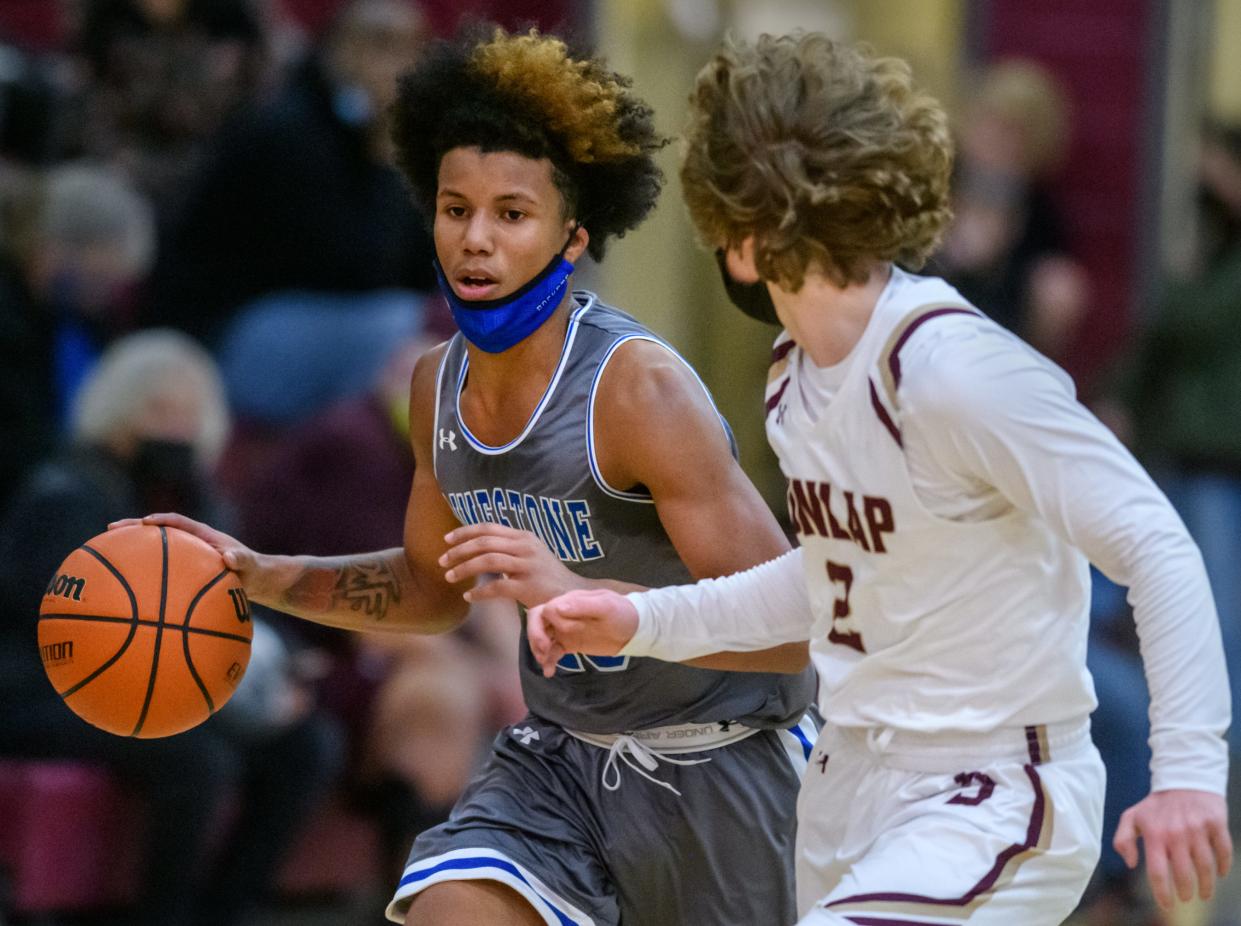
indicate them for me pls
(213, 288)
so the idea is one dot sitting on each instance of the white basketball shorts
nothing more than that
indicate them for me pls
(898, 829)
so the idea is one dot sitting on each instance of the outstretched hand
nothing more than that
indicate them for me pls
(528, 571)
(1185, 836)
(597, 622)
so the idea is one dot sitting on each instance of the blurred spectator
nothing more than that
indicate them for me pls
(328, 488)
(300, 193)
(1185, 389)
(288, 356)
(420, 709)
(76, 245)
(38, 98)
(149, 421)
(563, 17)
(161, 76)
(1006, 250)
(1179, 392)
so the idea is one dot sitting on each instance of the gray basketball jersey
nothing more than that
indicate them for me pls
(546, 480)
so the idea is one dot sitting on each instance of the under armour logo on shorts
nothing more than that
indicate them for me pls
(525, 734)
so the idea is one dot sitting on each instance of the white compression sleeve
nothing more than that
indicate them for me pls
(763, 606)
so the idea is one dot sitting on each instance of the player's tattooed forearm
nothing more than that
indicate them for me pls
(368, 585)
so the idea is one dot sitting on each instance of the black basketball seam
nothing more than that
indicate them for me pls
(133, 622)
(159, 630)
(101, 618)
(185, 638)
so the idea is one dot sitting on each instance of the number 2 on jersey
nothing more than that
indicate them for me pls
(842, 577)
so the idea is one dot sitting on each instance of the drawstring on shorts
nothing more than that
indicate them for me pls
(648, 760)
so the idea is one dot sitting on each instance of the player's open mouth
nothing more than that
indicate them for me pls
(476, 286)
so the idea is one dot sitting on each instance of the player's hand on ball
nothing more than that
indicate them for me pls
(237, 556)
(1185, 835)
(528, 571)
(598, 622)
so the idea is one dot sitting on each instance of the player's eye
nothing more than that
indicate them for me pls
(514, 215)
(455, 211)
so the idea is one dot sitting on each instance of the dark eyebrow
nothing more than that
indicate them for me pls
(515, 197)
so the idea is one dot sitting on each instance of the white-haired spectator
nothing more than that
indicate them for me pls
(149, 420)
(155, 383)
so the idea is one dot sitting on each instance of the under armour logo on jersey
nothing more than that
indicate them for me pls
(525, 734)
(780, 413)
(448, 439)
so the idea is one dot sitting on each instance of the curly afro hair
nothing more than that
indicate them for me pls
(528, 94)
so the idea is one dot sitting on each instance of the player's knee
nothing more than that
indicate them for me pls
(467, 903)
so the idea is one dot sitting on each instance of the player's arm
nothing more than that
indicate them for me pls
(741, 613)
(656, 427)
(397, 589)
(992, 413)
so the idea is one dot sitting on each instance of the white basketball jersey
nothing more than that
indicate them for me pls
(921, 622)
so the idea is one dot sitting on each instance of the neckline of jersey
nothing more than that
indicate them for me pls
(566, 351)
(898, 278)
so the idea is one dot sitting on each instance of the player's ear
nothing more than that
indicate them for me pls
(740, 261)
(579, 238)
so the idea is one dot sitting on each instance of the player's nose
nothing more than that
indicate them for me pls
(477, 238)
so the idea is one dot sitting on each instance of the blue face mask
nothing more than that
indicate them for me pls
(495, 325)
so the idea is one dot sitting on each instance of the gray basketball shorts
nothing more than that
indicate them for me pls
(592, 838)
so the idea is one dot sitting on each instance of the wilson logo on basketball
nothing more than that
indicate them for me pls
(66, 587)
(234, 672)
(241, 604)
(55, 654)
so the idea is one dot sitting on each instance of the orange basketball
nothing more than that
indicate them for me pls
(143, 631)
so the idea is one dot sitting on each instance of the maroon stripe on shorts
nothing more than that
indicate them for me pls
(777, 395)
(894, 359)
(886, 921)
(1036, 752)
(884, 417)
(1033, 831)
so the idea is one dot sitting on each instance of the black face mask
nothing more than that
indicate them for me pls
(753, 299)
(166, 476)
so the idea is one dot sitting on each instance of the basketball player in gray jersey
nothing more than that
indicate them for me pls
(560, 445)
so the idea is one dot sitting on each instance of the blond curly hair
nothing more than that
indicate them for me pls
(828, 156)
(576, 98)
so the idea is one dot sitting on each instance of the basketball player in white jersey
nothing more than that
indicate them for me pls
(948, 491)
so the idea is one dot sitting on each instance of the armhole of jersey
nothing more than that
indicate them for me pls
(435, 424)
(888, 407)
(592, 457)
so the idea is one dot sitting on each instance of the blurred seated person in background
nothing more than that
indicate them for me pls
(75, 244)
(419, 710)
(300, 194)
(146, 426)
(1006, 250)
